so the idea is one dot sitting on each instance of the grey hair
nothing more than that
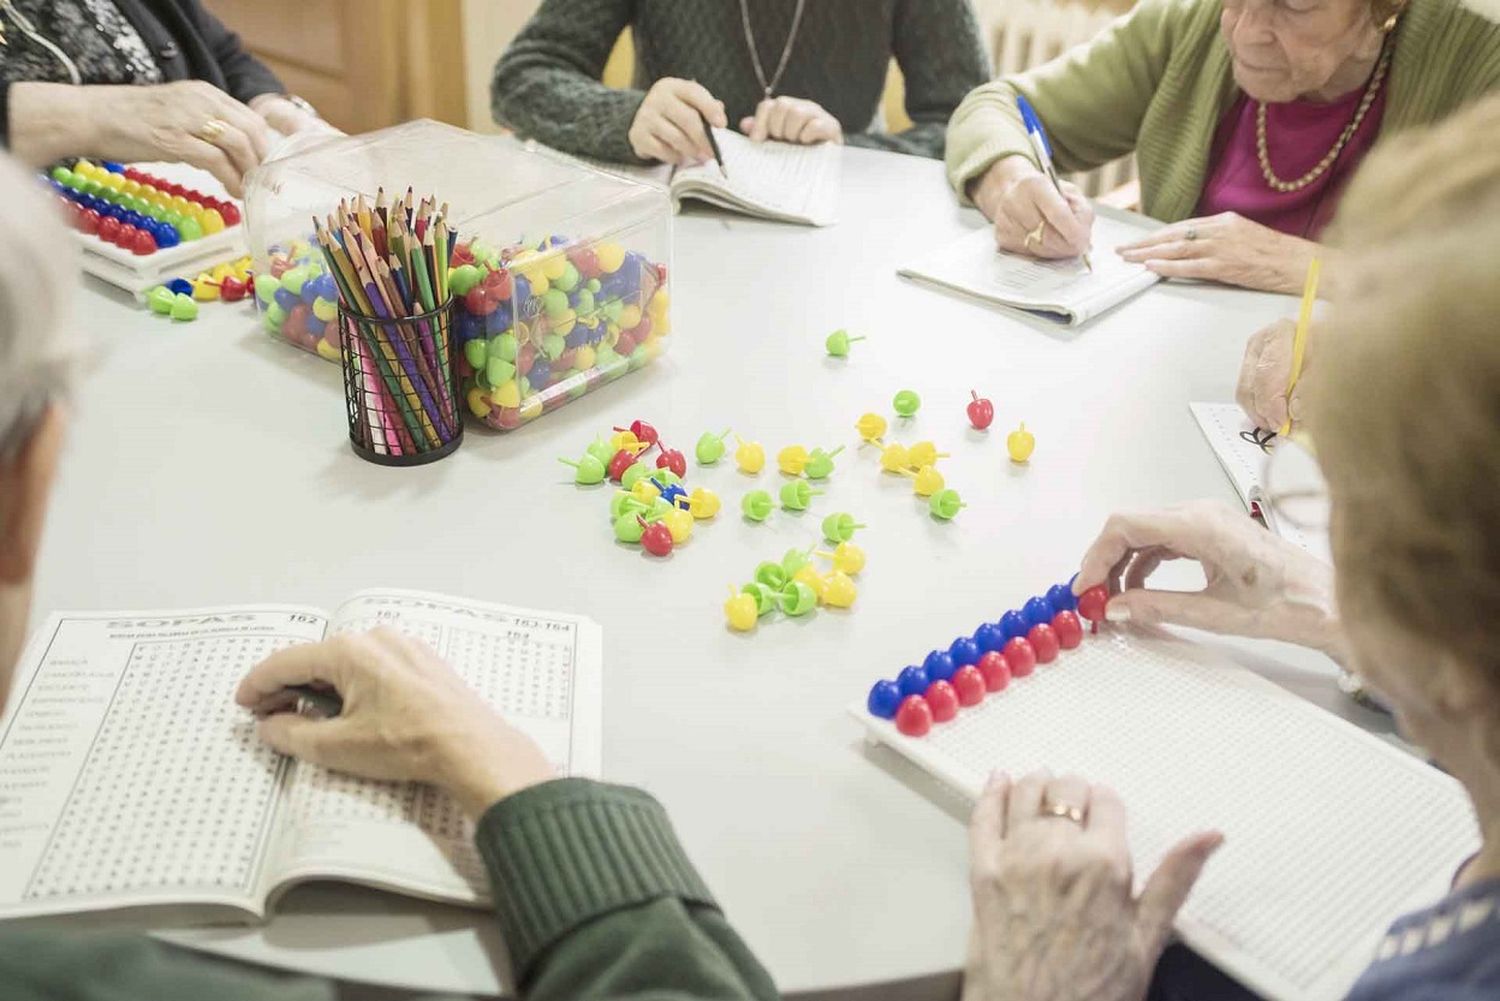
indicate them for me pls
(39, 350)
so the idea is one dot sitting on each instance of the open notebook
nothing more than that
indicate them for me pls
(1060, 290)
(132, 779)
(1330, 832)
(784, 182)
(1232, 437)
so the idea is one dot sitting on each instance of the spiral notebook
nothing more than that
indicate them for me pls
(132, 779)
(1330, 832)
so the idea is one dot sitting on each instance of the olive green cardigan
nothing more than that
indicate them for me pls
(1158, 81)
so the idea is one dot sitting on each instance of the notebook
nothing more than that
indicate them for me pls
(784, 182)
(132, 779)
(1230, 434)
(1061, 290)
(1330, 832)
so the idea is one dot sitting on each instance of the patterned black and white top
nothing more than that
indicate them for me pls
(93, 35)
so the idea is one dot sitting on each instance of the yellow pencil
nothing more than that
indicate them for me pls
(1299, 340)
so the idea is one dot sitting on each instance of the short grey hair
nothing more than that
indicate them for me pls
(39, 349)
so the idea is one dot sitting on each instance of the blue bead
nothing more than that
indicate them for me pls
(310, 292)
(885, 697)
(468, 326)
(498, 322)
(180, 286)
(912, 681)
(167, 237)
(114, 168)
(939, 665)
(964, 651)
(287, 299)
(1013, 625)
(521, 289)
(116, 213)
(1061, 598)
(989, 637)
(540, 374)
(1037, 611)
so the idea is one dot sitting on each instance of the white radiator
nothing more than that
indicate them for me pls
(1026, 33)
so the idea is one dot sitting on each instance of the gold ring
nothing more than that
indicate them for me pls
(213, 129)
(1035, 236)
(1064, 811)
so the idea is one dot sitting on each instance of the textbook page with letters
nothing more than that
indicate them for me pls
(1063, 290)
(132, 779)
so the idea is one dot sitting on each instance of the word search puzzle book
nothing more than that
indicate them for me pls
(132, 779)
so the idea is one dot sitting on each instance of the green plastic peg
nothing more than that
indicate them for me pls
(184, 308)
(795, 559)
(586, 471)
(765, 598)
(506, 346)
(160, 300)
(757, 505)
(907, 403)
(628, 528)
(624, 502)
(771, 575)
(838, 343)
(497, 370)
(636, 472)
(945, 504)
(820, 463)
(710, 449)
(796, 495)
(462, 279)
(839, 527)
(797, 598)
(477, 352)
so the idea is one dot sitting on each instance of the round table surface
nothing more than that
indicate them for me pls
(208, 464)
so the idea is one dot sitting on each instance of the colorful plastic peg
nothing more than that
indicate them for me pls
(796, 495)
(587, 471)
(914, 716)
(792, 460)
(643, 432)
(964, 651)
(913, 680)
(838, 343)
(765, 597)
(995, 671)
(750, 456)
(969, 685)
(673, 460)
(925, 481)
(981, 412)
(656, 538)
(893, 458)
(646, 491)
(710, 448)
(797, 598)
(871, 427)
(629, 527)
(1037, 611)
(839, 527)
(794, 560)
(840, 591)
(924, 453)
(884, 699)
(619, 462)
(1020, 443)
(160, 300)
(635, 473)
(848, 558)
(820, 463)
(703, 503)
(1044, 642)
(1068, 629)
(939, 665)
(943, 700)
(1061, 598)
(906, 403)
(184, 308)
(740, 610)
(809, 575)
(1020, 656)
(628, 441)
(756, 505)
(1092, 604)
(770, 574)
(679, 523)
(945, 504)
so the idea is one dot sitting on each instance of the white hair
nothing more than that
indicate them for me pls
(39, 350)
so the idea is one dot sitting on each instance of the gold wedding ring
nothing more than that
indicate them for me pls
(212, 130)
(1035, 236)
(1064, 811)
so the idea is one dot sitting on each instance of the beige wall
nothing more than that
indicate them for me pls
(488, 26)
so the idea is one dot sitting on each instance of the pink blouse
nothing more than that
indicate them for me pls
(1298, 135)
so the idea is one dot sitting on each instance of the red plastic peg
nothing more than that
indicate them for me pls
(969, 685)
(1020, 656)
(942, 700)
(1091, 604)
(914, 716)
(1068, 629)
(994, 670)
(1044, 643)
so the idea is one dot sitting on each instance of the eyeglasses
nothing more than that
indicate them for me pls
(1292, 485)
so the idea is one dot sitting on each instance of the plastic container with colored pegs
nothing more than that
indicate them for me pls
(559, 272)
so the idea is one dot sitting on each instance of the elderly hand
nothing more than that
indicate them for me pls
(1030, 217)
(793, 120)
(1265, 372)
(667, 126)
(1054, 912)
(406, 716)
(1225, 248)
(1258, 584)
(286, 117)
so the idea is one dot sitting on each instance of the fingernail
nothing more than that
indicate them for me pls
(1116, 612)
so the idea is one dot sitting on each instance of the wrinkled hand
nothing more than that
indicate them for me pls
(1264, 374)
(288, 118)
(166, 122)
(1018, 198)
(667, 127)
(406, 716)
(793, 120)
(1225, 248)
(1055, 916)
(1258, 584)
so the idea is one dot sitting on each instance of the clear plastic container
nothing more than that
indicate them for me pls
(559, 272)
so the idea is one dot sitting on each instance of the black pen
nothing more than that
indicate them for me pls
(714, 145)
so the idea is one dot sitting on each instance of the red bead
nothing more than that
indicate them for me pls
(969, 685)
(499, 285)
(1091, 603)
(914, 716)
(230, 213)
(586, 261)
(1020, 656)
(624, 344)
(657, 539)
(672, 459)
(144, 243)
(981, 412)
(994, 670)
(525, 358)
(109, 229)
(943, 701)
(621, 461)
(1044, 642)
(125, 238)
(479, 302)
(1068, 629)
(89, 221)
(233, 290)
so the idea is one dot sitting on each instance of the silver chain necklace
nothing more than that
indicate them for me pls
(769, 87)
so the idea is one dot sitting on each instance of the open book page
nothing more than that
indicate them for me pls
(1330, 832)
(1239, 449)
(541, 670)
(1064, 289)
(775, 180)
(128, 776)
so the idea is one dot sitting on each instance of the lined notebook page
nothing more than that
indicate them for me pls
(1330, 833)
(780, 180)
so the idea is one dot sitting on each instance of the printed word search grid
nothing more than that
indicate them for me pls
(129, 777)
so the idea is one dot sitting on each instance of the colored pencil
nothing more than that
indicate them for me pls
(1299, 340)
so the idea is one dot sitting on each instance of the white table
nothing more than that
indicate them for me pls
(208, 465)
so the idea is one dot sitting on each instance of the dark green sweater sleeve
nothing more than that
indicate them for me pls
(938, 47)
(597, 899)
(546, 85)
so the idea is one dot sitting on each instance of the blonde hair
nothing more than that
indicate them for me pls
(1405, 396)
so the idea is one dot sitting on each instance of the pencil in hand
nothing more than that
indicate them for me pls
(714, 145)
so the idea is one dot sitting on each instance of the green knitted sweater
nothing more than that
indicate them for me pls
(1158, 81)
(546, 85)
(595, 898)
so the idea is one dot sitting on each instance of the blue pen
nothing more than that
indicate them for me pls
(1043, 150)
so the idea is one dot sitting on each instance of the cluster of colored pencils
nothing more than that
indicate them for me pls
(391, 265)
